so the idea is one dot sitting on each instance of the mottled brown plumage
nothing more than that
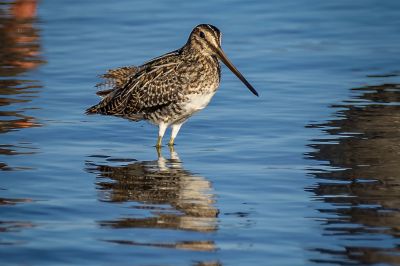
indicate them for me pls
(168, 89)
(115, 78)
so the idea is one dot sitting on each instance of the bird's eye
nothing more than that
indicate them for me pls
(202, 35)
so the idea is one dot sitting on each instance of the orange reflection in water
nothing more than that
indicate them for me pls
(20, 47)
(19, 53)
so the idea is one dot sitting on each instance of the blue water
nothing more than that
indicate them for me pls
(305, 174)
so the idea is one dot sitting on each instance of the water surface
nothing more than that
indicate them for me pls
(306, 174)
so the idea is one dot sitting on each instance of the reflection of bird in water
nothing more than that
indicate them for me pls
(154, 184)
(169, 89)
(364, 187)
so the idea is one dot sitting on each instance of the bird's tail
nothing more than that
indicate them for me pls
(92, 110)
(98, 109)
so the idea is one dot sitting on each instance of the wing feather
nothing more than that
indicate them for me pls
(153, 86)
(115, 78)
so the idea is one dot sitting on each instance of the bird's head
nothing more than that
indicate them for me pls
(206, 39)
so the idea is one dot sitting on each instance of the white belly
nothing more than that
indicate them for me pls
(197, 102)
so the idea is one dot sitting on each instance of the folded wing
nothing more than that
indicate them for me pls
(137, 91)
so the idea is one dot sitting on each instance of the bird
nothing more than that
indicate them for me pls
(169, 89)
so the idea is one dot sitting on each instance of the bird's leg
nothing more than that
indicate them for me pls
(159, 141)
(158, 149)
(171, 151)
(161, 130)
(175, 130)
(173, 154)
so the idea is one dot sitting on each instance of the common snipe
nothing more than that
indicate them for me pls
(167, 90)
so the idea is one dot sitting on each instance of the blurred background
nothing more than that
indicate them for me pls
(306, 174)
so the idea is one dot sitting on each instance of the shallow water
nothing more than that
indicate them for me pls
(305, 174)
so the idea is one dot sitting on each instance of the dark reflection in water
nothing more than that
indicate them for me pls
(12, 226)
(170, 196)
(360, 183)
(19, 53)
(6, 201)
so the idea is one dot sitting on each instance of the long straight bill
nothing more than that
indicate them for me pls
(229, 64)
